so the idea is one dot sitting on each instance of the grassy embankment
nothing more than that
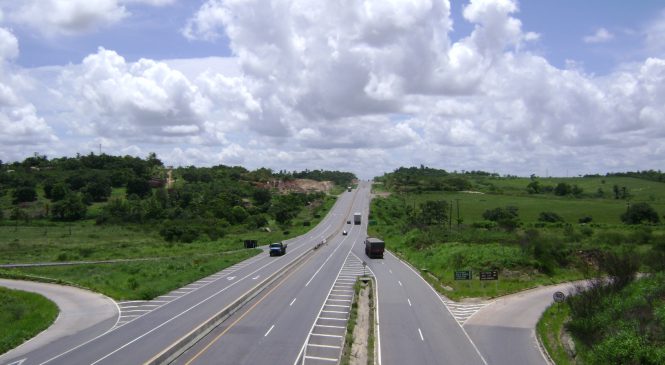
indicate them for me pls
(477, 249)
(173, 264)
(624, 326)
(23, 315)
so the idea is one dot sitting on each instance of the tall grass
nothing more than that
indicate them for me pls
(23, 315)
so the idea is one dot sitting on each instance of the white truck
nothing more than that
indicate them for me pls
(357, 218)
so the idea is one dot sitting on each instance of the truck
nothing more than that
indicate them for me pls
(277, 249)
(357, 218)
(348, 188)
(374, 247)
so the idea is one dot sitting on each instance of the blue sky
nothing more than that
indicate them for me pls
(567, 87)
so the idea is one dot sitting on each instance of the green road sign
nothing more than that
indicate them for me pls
(463, 275)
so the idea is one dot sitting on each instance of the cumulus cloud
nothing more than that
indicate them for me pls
(654, 35)
(20, 124)
(601, 35)
(72, 17)
(146, 99)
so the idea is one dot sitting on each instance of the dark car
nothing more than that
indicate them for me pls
(344, 232)
(348, 222)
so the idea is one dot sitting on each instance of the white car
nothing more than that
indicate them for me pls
(344, 233)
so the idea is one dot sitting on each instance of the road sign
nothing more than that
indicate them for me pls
(559, 296)
(489, 275)
(463, 275)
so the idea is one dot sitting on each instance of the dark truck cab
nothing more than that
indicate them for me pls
(374, 247)
(277, 249)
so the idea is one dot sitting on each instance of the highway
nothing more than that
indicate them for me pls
(299, 317)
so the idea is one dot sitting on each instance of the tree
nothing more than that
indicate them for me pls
(59, 191)
(99, 188)
(533, 187)
(70, 208)
(24, 194)
(139, 187)
(562, 189)
(433, 212)
(640, 213)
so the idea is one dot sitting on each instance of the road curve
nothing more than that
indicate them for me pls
(504, 330)
(83, 315)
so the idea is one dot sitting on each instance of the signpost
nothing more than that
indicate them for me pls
(463, 275)
(489, 275)
(559, 296)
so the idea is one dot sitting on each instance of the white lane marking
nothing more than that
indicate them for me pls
(324, 262)
(18, 362)
(400, 283)
(293, 301)
(256, 277)
(421, 335)
(271, 327)
(390, 271)
(326, 346)
(321, 358)
(230, 277)
(409, 300)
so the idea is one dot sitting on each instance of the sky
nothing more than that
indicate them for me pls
(552, 88)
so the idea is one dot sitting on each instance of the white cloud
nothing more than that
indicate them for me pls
(654, 36)
(601, 35)
(72, 17)
(8, 45)
(145, 100)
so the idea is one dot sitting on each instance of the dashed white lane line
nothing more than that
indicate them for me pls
(271, 327)
(421, 335)
(408, 300)
(400, 283)
(293, 301)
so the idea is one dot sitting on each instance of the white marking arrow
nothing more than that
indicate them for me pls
(18, 362)
(256, 277)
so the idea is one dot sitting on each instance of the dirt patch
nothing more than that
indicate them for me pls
(299, 186)
(361, 330)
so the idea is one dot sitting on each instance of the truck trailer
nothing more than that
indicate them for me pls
(374, 247)
(357, 218)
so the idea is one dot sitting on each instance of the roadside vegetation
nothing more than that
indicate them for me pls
(171, 226)
(536, 231)
(23, 315)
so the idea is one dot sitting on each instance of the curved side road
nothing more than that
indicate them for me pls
(505, 329)
(83, 315)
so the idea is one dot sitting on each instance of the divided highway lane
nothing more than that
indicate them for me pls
(139, 340)
(415, 327)
(273, 328)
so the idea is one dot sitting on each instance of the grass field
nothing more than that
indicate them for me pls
(174, 264)
(23, 315)
(472, 206)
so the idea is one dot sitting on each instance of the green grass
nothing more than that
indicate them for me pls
(549, 329)
(140, 280)
(23, 315)
(173, 265)
(438, 263)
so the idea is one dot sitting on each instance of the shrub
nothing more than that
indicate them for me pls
(178, 232)
(550, 217)
(24, 194)
(585, 219)
(640, 213)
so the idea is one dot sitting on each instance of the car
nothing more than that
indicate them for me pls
(348, 222)
(344, 232)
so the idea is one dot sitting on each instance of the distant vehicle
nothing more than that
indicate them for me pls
(357, 218)
(348, 222)
(348, 188)
(374, 247)
(277, 249)
(344, 232)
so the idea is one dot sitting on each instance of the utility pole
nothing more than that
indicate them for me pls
(458, 221)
